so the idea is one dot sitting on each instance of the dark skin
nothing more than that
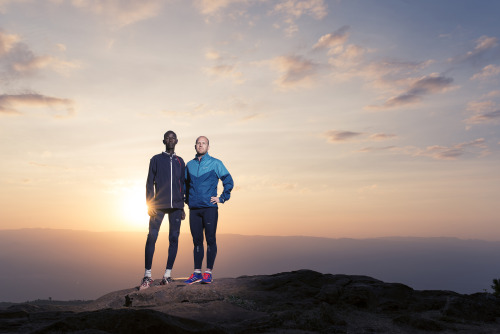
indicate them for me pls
(170, 140)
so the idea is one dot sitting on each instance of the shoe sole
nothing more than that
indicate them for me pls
(198, 281)
(206, 282)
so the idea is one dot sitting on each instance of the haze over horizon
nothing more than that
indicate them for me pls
(354, 119)
(68, 265)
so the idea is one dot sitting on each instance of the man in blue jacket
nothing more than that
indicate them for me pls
(202, 176)
(164, 195)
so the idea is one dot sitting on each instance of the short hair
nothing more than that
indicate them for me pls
(208, 141)
(169, 131)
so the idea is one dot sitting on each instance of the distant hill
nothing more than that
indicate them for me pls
(71, 265)
(298, 302)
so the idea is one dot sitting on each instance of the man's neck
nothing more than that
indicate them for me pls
(199, 156)
(170, 151)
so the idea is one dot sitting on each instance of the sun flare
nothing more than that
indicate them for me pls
(133, 207)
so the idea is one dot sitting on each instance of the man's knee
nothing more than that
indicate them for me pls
(173, 238)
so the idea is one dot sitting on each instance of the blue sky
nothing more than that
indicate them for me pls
(336, 118)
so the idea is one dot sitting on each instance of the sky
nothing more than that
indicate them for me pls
(335, 118)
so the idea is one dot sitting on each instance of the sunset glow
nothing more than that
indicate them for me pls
(335, 118)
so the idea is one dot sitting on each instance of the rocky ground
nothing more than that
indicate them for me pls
(302, 301)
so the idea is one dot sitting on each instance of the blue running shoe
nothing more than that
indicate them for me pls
(194, 278)
(207, 278)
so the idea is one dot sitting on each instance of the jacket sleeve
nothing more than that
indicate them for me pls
(186, 185)
(150, 182)
(183, 180)
(227, 182)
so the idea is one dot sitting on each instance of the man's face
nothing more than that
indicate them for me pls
(170, 140)
(201, 145)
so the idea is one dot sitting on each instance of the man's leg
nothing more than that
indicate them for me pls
(210, 217)
(154, 229)
(196, 225)
(174, 218)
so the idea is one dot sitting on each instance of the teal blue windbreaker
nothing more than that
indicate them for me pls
(202, 177)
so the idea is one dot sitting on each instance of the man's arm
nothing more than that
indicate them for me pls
(150, 188)
(227, 182)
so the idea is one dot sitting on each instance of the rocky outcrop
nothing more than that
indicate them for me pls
(301, 301)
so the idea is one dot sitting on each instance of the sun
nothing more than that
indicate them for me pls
(133, 207)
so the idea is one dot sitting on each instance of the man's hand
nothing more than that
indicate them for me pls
(214, 200)
(151, 212)
(183, 215)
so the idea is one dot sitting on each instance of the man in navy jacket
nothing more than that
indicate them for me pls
(164, 195)
(202, 176)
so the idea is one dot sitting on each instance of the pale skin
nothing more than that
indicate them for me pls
(170, 140)
(202, 148)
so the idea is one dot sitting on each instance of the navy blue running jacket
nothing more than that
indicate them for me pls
(165, 183)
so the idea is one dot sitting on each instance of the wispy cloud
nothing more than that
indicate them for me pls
(17, 60)
(484, 45)
(336, 136)
(475, 147)
(486, 117)
(7, 42)
(487, 72)
(212, 7)
(223, 69)
(294, 9)
(122, 12)
(485, 110)
(296, 71)
(226, 71)
(298, 8)
(13, 104)
(431, 84)
(382, 136)
(453, 152)
(332, 41)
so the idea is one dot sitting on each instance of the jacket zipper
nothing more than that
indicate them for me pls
(171, 184)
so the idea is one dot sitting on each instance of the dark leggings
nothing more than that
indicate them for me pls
(174, 219)
(199, 220)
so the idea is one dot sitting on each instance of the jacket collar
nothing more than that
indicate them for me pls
(173, 154)
(204, 157)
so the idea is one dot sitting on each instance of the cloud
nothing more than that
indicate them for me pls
(333, 40)
(431, 84)
(437, 152)
(298, 8)
(484, 45)
(10, 104)
(17, 60)
(226, 71)
(334, 136)
(122, 12)
(373, 149)
(451, 153)
(484, 111)
(382, 136)
(296, 71)
(487, 72)
(212, 7)
(294, 9)
(7, 42)
(487, 117)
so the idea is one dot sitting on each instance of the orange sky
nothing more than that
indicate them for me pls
(335, 118)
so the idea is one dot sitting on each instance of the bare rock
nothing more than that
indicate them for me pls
(301, 301)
